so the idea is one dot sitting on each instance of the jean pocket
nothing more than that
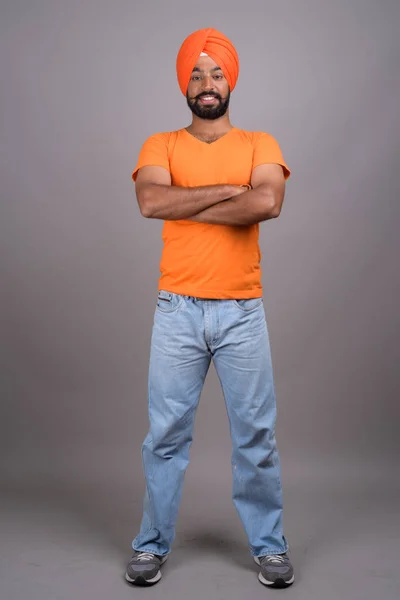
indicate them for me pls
(168, 302)
(248, 304)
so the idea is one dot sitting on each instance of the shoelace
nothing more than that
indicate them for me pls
(145, 556)
(275, 558)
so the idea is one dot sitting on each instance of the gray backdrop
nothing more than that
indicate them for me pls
(83, 83)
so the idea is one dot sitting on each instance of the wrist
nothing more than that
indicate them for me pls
(229, 191)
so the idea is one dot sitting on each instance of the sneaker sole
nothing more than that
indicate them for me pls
(141, 581)
(278, 583)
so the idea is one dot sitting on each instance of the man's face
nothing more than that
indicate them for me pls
(208, 91)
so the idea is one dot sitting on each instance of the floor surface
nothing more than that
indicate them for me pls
(68, 537)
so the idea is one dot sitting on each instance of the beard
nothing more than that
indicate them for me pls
(208, 112)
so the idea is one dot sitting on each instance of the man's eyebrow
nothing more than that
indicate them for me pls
(197, 70)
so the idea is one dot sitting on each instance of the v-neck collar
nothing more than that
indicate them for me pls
(208, 143)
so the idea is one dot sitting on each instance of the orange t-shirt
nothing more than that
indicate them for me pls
(200, 259)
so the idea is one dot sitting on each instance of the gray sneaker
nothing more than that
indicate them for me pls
(276, 570)
(144, 568)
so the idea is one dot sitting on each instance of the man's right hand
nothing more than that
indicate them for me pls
(240, 189)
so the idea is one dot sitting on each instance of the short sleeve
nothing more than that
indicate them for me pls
(267, 151)
(154, 152)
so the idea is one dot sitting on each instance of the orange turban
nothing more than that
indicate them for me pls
(217, 46)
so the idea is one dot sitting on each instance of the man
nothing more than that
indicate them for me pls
(212, 184)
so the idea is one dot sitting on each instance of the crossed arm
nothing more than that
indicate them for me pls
(216, 204)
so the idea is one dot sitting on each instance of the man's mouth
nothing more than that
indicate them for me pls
(207, 99)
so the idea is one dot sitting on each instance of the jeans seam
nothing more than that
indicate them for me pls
(149, 550)
(272, 552)
(248, 310)
(170, 312)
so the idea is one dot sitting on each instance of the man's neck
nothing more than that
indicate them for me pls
(208, 130)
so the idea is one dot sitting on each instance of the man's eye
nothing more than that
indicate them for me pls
(218, 76)
(195, 77)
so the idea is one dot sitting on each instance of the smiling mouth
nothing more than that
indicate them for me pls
(207, 99)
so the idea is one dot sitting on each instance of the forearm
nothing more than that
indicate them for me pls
(173, 203)
(249, 208)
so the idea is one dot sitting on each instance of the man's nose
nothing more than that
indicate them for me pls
(208, 84)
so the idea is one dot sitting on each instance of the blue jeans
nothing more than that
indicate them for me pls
(187, 333)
